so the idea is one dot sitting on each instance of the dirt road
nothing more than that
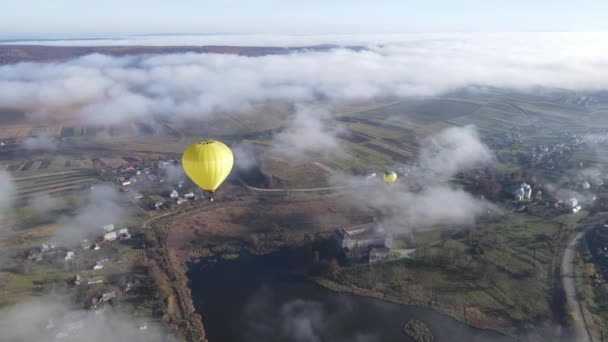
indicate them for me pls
(568, 276)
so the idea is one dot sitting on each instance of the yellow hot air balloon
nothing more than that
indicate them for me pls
(208, 163)
(389, 177)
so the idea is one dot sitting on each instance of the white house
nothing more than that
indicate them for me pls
(174, 194)
(189, 195)
(110, 236)
(85, 244)
(96, 280)
(69, 255)
(124, 233)
(181, 200)
(108, 295)
(108, 227)
(97, 267)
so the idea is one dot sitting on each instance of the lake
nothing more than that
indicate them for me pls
(256, 298)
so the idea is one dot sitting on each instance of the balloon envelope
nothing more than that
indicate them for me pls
(389, 177)
(207, 163)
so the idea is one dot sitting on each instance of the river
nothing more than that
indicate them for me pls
(256, 298)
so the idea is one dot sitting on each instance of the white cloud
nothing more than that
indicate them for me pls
(452, 150)
(112, 89)
(102, 206)
(424, 198)
(41, 142)
(50, 319)
(310, 132)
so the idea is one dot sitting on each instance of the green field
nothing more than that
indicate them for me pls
(507, 286)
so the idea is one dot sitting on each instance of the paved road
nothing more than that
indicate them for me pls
(568, 276)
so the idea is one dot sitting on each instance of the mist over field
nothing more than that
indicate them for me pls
(104, 89)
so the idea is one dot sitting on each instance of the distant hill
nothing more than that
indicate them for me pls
(10, 54)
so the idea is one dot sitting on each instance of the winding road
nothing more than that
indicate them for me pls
(568, 277)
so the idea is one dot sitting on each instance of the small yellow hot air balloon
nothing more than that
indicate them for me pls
(208, 163)
(389, 177)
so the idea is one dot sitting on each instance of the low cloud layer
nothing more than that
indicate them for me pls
(102, 206)
(310, 132)
(49, 319)
(244, 156)
(107, 89)
(423, 197)
(43, 204)
(451, 151)
(42, 142)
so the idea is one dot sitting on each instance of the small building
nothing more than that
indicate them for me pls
(362, 236)
(95, 280)
(358, 242)
(69, 255)
(158, 205)
(189, 195)
(174, 194)
(97, 267)
(138, 196)
(108, 227)
(110, 236)
(181, 200)
(85, 244)
(523, 192)
(123, 234)
(106, 296)
(377, 254)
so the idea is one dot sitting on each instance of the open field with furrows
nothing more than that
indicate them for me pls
(424, 111)
(285, 173)
(45, 163)
(54, 182)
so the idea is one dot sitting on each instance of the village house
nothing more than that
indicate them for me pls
(108, 228)
(95, 280)
(106, 296)
(123, 234)
(189, 195)
(69, 255)
(366, 241)
(181, 200)
(377, 254)
(85, 244)
(523, 192)
(362, 236)
(110, 236)
(174, 194)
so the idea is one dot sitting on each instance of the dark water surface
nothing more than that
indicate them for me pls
(255, 298)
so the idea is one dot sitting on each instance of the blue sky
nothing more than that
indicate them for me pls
(42, 18)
